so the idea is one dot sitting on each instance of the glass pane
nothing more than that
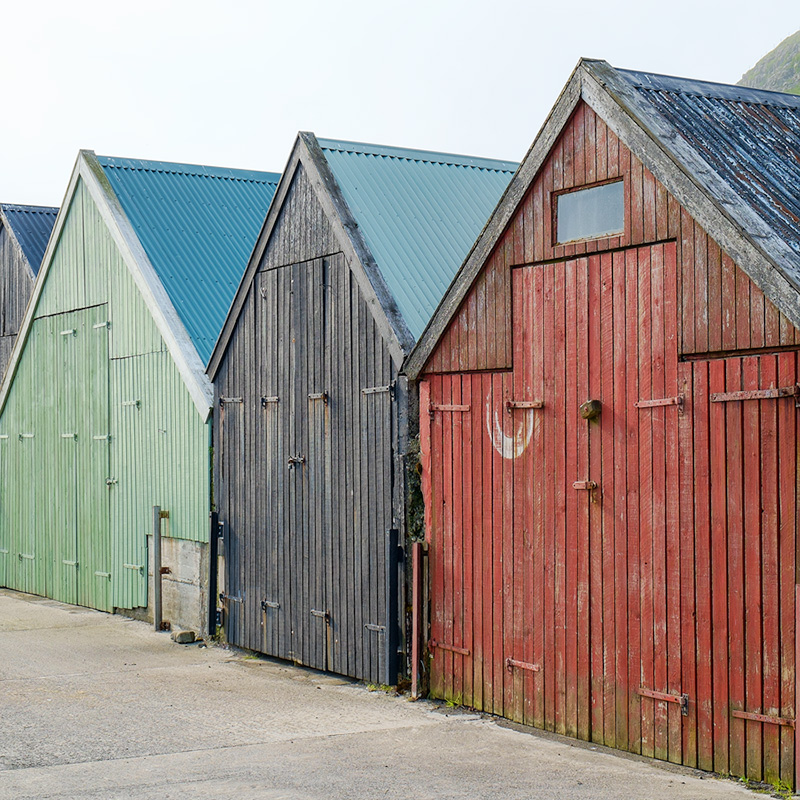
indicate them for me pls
(590, 213)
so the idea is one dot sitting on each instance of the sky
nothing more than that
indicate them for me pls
(230, 84)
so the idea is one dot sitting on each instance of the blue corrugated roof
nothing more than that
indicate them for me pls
(420, 213)
(749, 137)
(32, 226)
(198, 226)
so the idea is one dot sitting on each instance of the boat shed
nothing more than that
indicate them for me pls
(609, 410)
(105, 406)
(315, 424)
(24, 231)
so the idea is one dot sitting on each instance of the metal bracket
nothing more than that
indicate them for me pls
(319, 396)
(748, 715)
(678, 401)
(137, 567)
(512, 404)
(512, 662)
(377, 628)
(137, 404)
(433, 407)
(433, 644)
(265, 401)
(69, 332)
(584, 485)
(224, 400)
(759, 394)
(292, 460)
(681, 699)
(321, 614)
(265, 604)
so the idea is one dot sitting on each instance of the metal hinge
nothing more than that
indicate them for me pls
(265, 604)
(758, 394)
(678, 401)
(224, 400)
(70, 563)
(433, 407)
(749, 715)
(137, 567)
(106, 325)
(69, 332)
(265, 401)
(321, 614)
(135, 403)
(319, 396)
(681, 699)
(433, 644)
(103, 575)
(102, 437)
(377, 628)
(512, 404)
(73, 436)
(512, 662)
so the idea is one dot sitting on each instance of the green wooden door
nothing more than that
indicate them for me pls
(77, 532)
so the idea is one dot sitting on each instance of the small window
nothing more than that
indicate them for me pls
(591, 213)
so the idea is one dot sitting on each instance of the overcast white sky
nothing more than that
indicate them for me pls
(230, 84)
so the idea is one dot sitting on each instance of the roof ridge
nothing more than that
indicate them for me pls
(413, 154)
(190, 170)
(655, 81)
(30, 209)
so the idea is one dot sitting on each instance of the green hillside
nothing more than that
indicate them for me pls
(779, 70)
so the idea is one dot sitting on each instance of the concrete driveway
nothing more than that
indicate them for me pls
(99, 706)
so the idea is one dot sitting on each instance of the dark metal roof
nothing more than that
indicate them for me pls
(420, 212)
(198, 226)
(749, 137)
(31, 226)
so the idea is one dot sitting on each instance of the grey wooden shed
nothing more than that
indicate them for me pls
(313, 421)
(24, 233)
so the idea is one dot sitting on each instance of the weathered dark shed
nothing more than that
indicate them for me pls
(609, 395)
(24, 231)
(313, 424)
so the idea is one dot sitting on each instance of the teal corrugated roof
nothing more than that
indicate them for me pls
(420, 213)
(198, 226)
(32, 226)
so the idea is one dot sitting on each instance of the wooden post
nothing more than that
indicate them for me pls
(213, 551)
(416, 613)
(157, 622)
(796, 687)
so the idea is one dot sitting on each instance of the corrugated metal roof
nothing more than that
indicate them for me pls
(749, 137)
(420, 213)
(198, 226)
(32, 226)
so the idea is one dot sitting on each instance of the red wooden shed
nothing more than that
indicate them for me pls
(608, 400)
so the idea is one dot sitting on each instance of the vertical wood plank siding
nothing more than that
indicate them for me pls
(113, 384)
(16, 285)
(305, 460)
(676, 574)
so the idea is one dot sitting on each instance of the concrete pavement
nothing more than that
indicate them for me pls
(98, 706)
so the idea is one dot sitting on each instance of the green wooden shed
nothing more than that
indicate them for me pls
(105, 405)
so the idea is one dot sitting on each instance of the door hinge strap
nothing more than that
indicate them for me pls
(138, 567)
(584, 485)
(512, 662)
(319, 396)
(26, 436)
(433, 644)
(265, 604)
(512, 404)
(69, 332)
(662, 401)
(445, 407)
(681, 699)
(223, 400)
(376, 389)
(379, 628)
(103, 574)
(763, 718)
(106, 324)
(3, 551)
(105, 437)
(757, 394)
(265, 401)
(70, 563)
(134, 403)
(73, 436)
(27, 556)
